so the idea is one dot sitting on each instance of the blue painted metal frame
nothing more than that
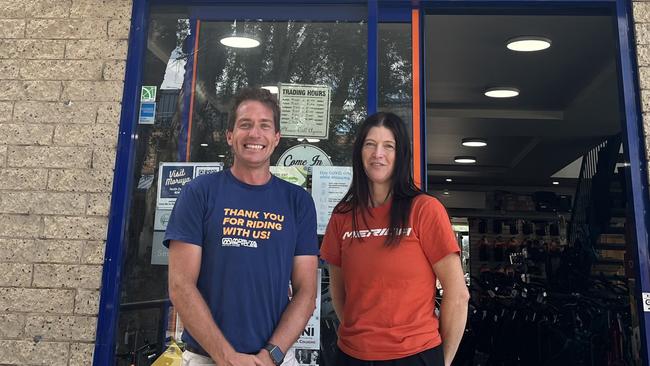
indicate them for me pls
(373, 57)
(278, 12)
(109, 301)
(394, 13)
(636, 150)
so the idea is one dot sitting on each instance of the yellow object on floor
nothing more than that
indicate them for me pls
(172, 356)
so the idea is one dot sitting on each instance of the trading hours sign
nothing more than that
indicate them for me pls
(305, 110)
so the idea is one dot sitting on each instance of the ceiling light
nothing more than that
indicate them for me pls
(501, 92)
(204, 145)
(301, 139)
(240, 41)
(446, 193)
(528, 44)
(448, 180)
(465, 159)
(271, 88)
(221, 156)
(555, 183)
(474, 142)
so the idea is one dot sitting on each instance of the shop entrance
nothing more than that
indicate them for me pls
(528, 147)
(559, 256)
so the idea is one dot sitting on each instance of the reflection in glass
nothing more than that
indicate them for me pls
(395, 70)
(323, 54)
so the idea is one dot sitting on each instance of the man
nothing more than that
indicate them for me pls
(235, 240)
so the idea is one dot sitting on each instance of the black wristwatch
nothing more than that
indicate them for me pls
(276, 353)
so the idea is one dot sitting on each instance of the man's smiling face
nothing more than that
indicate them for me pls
(253, 137)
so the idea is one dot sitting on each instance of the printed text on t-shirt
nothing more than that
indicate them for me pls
(248, 224)
(374, 232)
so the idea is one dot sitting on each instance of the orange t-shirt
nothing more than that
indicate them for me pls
(389, 292)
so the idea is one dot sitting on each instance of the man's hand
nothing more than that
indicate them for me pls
(264, 356)
(242, 359)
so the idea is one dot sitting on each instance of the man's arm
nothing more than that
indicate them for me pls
(337, 290)
(300, 308)
(453, 310)
(184, 268)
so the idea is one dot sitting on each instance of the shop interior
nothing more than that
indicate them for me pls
(524, 149)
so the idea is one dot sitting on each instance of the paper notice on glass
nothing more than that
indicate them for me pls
(305, 110)
(173, 176)
(159, 253)
(161, 219)
(310, 338)
(292, 174)
(329, 185)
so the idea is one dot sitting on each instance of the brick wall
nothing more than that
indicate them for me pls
(641, 13)
(61, 79)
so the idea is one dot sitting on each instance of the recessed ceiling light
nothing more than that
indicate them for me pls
(555, 183)
(502, 92)
(448, 180)
(446, 193)
(474, 142)
(528, 43)
(465, 159)
(240, 41)
(221, 156)
(204, 145)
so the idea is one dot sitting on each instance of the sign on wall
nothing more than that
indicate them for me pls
(292, 174)
(305, 110)
(147, 114)
(173, 176)
(304, 155)
(171, 179)
(329, 185)
(148, 93)
(307, 347)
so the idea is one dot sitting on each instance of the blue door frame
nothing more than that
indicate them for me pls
(375, 11)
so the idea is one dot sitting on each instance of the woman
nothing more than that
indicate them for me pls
(386, 244)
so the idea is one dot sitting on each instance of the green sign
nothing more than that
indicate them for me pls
(148, 94)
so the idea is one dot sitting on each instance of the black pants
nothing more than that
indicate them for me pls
(430, 357)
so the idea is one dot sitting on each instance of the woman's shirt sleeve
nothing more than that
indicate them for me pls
(433, 227)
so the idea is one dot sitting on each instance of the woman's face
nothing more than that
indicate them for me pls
(378, 155)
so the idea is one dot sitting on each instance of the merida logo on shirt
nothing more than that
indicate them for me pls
(373, 232)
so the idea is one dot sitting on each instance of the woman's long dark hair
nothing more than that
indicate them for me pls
(403, 187)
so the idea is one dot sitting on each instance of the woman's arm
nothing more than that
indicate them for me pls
(453, 310)
(337, 290)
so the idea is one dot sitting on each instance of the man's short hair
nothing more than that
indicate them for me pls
(259, 95)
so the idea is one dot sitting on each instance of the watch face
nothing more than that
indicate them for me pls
(276, 355)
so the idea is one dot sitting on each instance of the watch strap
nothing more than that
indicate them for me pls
(277, 356)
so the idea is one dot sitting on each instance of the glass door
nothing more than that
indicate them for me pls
(189, 79)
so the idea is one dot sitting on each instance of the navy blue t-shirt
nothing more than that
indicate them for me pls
(249, 236)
